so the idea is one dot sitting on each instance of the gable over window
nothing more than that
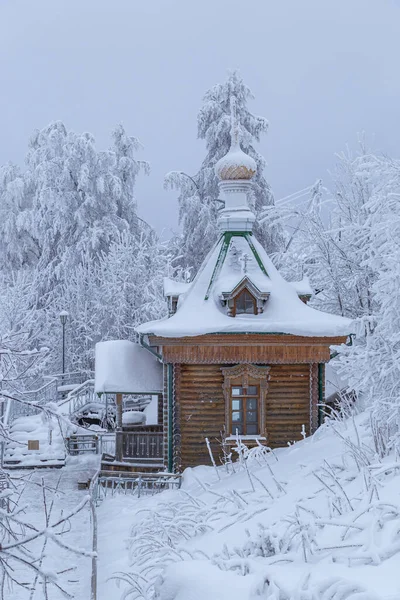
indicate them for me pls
(244, 299)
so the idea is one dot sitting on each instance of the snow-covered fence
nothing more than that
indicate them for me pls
(110, 483)
(106, 443)
(91, 443)
(82, 444)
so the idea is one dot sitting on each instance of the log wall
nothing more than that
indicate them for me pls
(200, 406)
(287, 404)
(201, 412)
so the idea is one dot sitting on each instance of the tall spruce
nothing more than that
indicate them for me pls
(198, 205)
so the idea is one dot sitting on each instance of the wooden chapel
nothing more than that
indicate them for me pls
(242, 352)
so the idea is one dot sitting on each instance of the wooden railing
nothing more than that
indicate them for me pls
(142, 444)
(82, 444)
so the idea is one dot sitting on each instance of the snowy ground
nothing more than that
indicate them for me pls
(319, 520)
(62, 496)
(323, 523)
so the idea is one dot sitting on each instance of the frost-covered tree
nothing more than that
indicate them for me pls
(59, 219)
(348, 244)
(106, 299)
(22, 357)
(331, 237)
(131, 281)
(198, 208)
(372, 363)
(17, 245)
(71, 199)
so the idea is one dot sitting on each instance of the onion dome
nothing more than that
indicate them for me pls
(236, 164)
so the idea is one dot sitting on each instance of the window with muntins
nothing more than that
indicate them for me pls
(244, 410)
(245, 304)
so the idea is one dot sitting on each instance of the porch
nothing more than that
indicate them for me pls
(136, 449)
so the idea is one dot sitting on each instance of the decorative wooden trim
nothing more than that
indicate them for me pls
(313, 397)
(165, 414)
(246, 339)
(246, 354)
(160, 409)
(246, 371)
(176, 427)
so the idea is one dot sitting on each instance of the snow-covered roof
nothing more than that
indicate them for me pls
(303, 287)
(125, 367)
(200, 311)
(175, 288)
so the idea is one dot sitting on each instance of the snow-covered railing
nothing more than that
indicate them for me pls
(80, 397)
(82, 444)
(66, 382)
(144, 445)
(42, 395)
(110, 483)
(106, 443)
(71, 378)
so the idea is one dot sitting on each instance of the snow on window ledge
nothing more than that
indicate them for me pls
(232, 438)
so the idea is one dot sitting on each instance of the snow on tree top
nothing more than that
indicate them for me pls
(125, 367)
(235, 164)
(235, 256)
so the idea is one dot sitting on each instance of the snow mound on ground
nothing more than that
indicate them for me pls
(319, 520)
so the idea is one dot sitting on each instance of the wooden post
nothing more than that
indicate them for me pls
(118, 435)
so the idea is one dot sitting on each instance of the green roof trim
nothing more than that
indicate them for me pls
(256, 255)
(227, 237)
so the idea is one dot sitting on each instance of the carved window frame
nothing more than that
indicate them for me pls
(246, 372)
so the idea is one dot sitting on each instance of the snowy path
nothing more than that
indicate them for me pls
(76, 578)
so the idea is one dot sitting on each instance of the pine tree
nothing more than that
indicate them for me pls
(198, 206)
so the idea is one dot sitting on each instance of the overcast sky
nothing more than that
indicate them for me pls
(321, 71)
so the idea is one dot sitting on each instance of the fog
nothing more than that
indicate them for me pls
(322, 71)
